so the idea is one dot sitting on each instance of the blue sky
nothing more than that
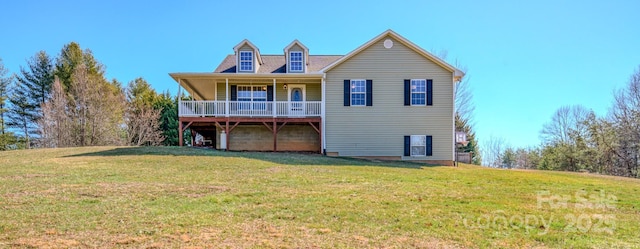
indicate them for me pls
(524, 58)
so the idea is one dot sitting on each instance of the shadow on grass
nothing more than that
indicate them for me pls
(285, 158)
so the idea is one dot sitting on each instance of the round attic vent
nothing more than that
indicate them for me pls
(388, 43)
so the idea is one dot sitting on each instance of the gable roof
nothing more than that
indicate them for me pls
(248, 43)
(277, 63)
(458, 74)
(296, 42)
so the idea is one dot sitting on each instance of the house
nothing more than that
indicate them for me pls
(387, 99)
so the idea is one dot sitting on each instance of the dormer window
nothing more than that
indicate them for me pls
(297, 56)
(246, 61)
(295, 61)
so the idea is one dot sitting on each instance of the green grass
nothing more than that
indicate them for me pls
(180, 197)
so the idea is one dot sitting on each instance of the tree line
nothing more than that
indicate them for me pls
(67, 101)
(576, 139)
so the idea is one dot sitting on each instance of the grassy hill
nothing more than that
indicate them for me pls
(181, 197)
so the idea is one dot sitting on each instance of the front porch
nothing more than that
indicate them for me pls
(253, 113)
(212, 108)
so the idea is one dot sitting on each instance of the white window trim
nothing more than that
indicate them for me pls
(251, 103)
(240, 61)
(301, 61)
(293, 86)
(411, 92)
(423, 150)
(351, 92)
(251, 87)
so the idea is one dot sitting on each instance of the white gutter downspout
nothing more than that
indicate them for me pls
(323, 108)
(453, 128)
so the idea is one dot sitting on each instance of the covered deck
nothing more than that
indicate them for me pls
(232, 108)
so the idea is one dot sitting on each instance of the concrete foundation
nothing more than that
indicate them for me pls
(292, 137)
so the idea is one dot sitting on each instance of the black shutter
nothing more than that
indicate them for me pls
(369, 92)
(269, 93)
(429, 92)
(347, 92)
(407, 92)
(234, 93)
(429, 147)
(407, 145)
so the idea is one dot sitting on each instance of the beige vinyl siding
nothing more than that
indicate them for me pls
(379, 130)
(313, 91)
(220, 91)
(200, 89)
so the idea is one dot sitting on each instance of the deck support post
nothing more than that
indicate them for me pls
(226, 129)
(275, 135)
(193, 138)
(319, 130)
(180, 133)
(228, 125)
(320, 135)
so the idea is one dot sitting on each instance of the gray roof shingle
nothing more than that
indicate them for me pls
(277, 64)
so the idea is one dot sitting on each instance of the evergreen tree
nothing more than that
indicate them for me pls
(20, 112)
(31, 90)
(72, 56)
(472, 146)
(37, 80)
(142, 117)
(4, 95)
(6, 138)
(140, 92)
(168, 118)
(508, 158)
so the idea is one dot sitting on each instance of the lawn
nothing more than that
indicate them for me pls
(158, 197)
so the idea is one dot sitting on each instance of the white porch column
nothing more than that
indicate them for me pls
(179, 96)
(226, 98)
(275, 112)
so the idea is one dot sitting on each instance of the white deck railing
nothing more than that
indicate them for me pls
(249, 108)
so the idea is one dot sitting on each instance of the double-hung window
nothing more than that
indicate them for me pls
(295, 61)
(358, 92)
(252, 97)
(246, 61)
(418, 145)
(418, 91)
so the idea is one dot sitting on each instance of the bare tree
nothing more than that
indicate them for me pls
(626, 116)
(142, 117)
(464, 109)
(464, 99)
(463, 93)
(95, 108)
(55, 121)
(492, 151)
(143, 125)
(566, 123)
